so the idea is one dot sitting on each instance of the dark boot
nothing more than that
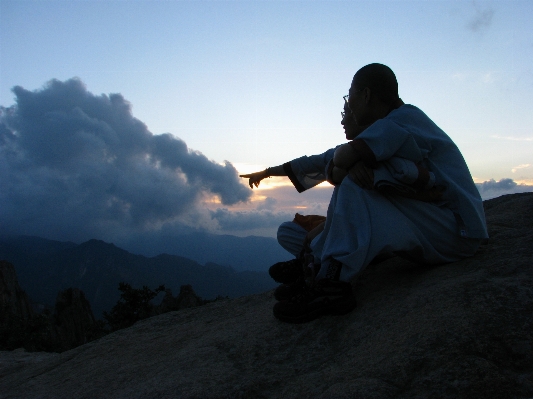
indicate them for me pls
(287, 272)
(286, 291)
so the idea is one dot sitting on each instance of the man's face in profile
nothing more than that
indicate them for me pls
(348, 123)
(357, 104)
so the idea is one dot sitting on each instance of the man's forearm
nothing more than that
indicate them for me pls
(275, 171)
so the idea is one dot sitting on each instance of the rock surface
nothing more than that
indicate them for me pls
(72, 324)
(187, 298)
(73, 319)
(13, 299)
(461, 330)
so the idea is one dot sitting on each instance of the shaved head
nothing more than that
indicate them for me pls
(380, 80)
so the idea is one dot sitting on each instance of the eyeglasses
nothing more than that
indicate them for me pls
(343, 113)
(347, 101)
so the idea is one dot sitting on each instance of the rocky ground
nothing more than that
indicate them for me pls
(462, 330)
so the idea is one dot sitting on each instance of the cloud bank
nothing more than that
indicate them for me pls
(234, 222)
(491, 188)
(76, 166)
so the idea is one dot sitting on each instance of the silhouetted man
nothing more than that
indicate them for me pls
(401, 186)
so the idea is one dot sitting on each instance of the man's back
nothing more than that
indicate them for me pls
(409, 133)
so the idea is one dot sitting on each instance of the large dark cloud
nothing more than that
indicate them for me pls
(74, 165)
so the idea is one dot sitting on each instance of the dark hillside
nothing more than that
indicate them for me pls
(96, 268)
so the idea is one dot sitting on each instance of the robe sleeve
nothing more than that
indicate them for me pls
(403, 175)
(385, 139)
(308, 171)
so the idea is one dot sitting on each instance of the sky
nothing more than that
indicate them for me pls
(137, 116)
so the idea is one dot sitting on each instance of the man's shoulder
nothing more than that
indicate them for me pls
(406, 109)
(414, 120)
(405, 117)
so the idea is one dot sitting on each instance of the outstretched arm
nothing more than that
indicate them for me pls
(256, 177)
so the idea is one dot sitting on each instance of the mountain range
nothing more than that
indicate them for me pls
(45, 267)
(241, 253)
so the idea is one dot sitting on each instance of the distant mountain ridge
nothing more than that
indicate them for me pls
(46, 267)
(241, 253)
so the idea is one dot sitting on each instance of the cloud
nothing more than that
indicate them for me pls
(314, 201)
(481, 20)
(268, 204)
(75, 166)
(476, 77)
(510, 138)
(523, 166)
(489, 77)
(491, 188)
(241, 221)
(503, 184)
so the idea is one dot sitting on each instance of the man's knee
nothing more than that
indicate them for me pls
(291, 237)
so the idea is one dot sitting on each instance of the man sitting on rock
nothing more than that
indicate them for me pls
(401, 187)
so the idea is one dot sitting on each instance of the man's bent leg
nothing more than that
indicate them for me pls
(364, 224)
(291, 236)
(361, 225)
(290, 273)
(323, 297)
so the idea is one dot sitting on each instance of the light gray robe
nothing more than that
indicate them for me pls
(362, 224)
